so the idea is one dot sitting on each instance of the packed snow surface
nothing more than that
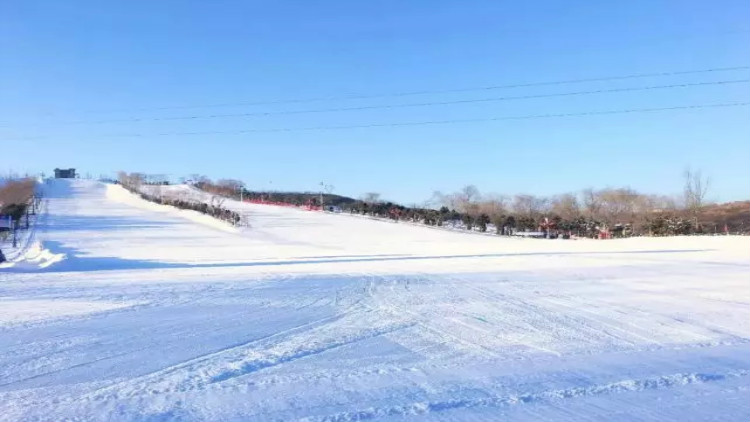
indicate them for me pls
(123, 310)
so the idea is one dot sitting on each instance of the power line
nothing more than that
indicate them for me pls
(468, 89)
(408, 105)
(440, 122)
(439, 91)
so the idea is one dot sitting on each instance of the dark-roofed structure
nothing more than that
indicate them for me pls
(65, 173)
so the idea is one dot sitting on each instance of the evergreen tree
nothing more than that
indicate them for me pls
(468, 221)
(482, 221)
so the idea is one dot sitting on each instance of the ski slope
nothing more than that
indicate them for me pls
(131, 311)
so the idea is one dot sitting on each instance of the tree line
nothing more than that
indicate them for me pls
(16, 197)
(233, 187)
(215, 209)
(610, 212)
(615, 212)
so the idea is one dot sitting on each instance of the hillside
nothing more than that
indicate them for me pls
(300, 198)
(623, 212)
(735, 215)
(132, 311)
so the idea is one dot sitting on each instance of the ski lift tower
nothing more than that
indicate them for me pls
(328, 189)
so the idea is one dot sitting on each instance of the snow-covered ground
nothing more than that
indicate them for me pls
(133, 311)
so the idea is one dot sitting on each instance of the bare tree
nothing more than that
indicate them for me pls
(566, 206)
(231, 184)
(493, 205)
(17, 191)
(466, 199)
(591, 203)
(452, 201)
(529, 205)
(217, 201)
(371, 197)
(695, 190)
(614, 205)
(156, 179)
(470, 193)
(437, 200)
(196, 178)
(132, 181)
(648, 206)
(618, 205)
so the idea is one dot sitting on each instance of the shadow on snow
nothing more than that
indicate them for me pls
(78, 261)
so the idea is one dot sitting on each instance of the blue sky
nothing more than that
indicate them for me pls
(65, 67)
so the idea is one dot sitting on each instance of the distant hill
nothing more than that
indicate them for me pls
(736, 215)
(231, 188)
(714, 218)
(300, 198)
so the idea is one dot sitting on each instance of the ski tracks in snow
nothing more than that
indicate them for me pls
(623, 386)
(227, 327)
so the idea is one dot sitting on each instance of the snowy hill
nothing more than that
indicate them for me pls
(129, 310)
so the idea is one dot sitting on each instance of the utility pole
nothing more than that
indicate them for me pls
(321, 195)
(328, 189)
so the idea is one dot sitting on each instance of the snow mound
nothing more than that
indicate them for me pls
(35, 256)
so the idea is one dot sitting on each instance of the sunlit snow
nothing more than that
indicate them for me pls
(122, 310)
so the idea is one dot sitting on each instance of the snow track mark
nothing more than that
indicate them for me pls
(622, 386)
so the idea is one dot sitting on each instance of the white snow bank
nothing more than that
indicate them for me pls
(120, 194)
(35, 256)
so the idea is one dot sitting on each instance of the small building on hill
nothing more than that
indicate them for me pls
(65, 173)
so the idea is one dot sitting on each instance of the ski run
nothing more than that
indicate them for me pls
(118, 309)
